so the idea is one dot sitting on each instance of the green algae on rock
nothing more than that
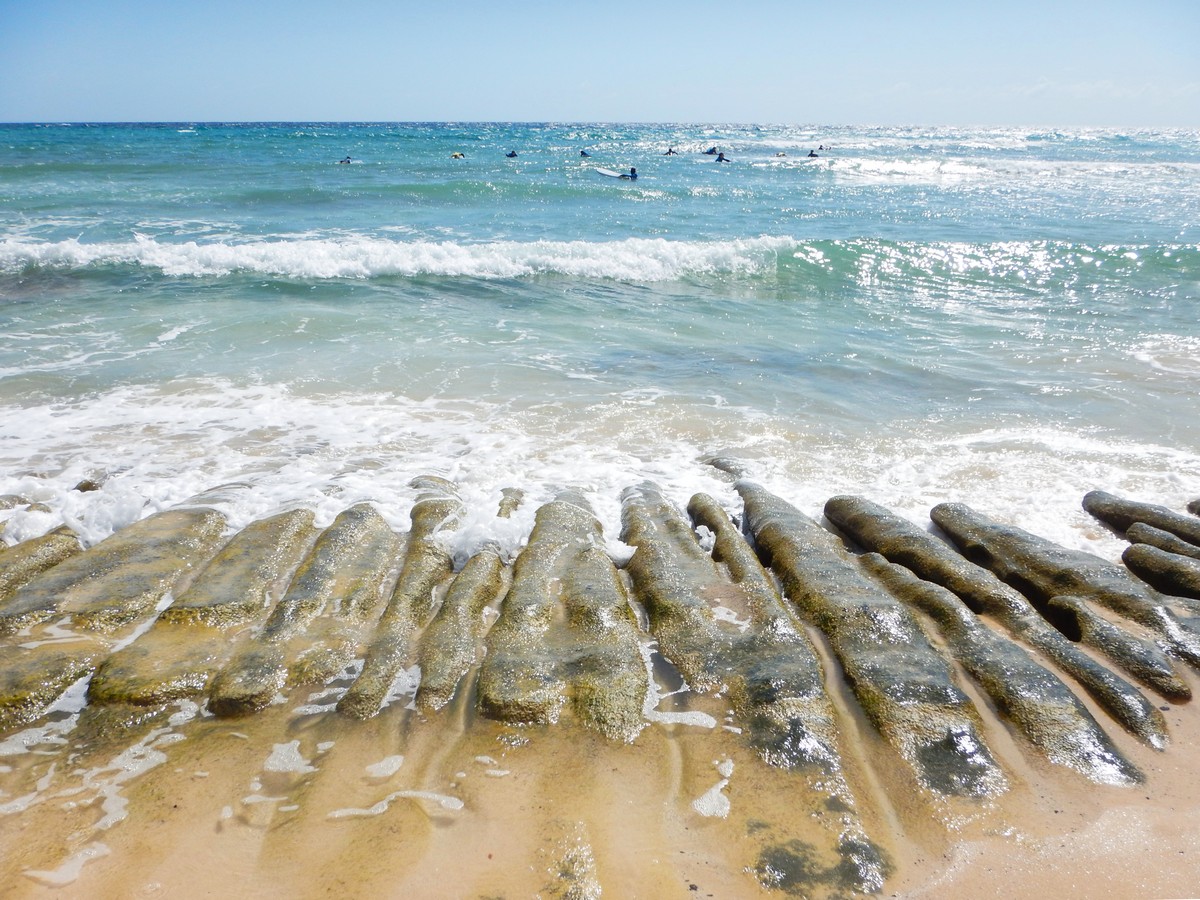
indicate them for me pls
(64, 638)
(678, 583)
(1140, 658)
(426, 565)
(31, 679)
(178, 656)
(1043, 570)
(521, 678)
(1141, 533)
(1032, 699)
(767, 664)
(905, 688)
(1121, 514)
(122, 578)
(775, 681)
(1168, 572)
(607, 676)
(236, 585)
(566, 632)
(448, 646)
(312, 632)
(755, 650)
(778, 690)
(23, 562)
(876, 528)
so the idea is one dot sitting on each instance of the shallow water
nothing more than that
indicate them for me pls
(300, 802)
(988, 314)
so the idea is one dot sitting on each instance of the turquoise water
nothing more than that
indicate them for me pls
(998, 316)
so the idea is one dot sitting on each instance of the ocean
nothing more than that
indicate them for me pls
(1005, 318)
(1002, 317)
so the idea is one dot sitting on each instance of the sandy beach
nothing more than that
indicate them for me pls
(485, 811)
(298, 800)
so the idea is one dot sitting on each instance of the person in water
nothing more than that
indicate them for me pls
(722, 158)
(457, 155)
(511, 154)
(670, 152)
(711, 151)
(812, 154)
(584, 153)
(632, 176)
(345, 162)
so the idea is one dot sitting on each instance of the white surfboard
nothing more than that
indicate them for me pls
(609, 172)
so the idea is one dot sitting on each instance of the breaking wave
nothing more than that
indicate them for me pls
(634, 259)
(630, 259)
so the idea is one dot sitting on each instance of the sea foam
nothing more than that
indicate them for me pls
(634, 259)
(278, 448)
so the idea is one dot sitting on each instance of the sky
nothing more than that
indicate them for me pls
(1021, 63)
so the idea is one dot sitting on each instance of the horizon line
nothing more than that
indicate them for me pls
(58, 123)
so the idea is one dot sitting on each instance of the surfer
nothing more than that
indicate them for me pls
(458, 155)
(812, 154)
(584, 153)
(511, 154)
(632, 176)
(722, 158)
(670, 152)
(711, 151)
(345, 162)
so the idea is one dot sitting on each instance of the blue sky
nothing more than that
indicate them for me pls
(1047, 63)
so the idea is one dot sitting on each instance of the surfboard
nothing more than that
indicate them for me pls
(609, 172)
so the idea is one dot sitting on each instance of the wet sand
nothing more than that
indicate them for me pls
(300, 803)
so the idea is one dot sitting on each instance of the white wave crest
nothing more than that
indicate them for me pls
(631, 259)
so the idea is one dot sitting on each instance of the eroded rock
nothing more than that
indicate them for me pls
(427, 563)
(193, 638)
(1042, 570)
(23, 562)
(1141, 533)
(122, 578)
(566, 632)
(1168, 572)
(1121, 514)
(1032, 699)
(903, 685)
(313, 631)
(448, 646)
(878, 529)
(1140, 658)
